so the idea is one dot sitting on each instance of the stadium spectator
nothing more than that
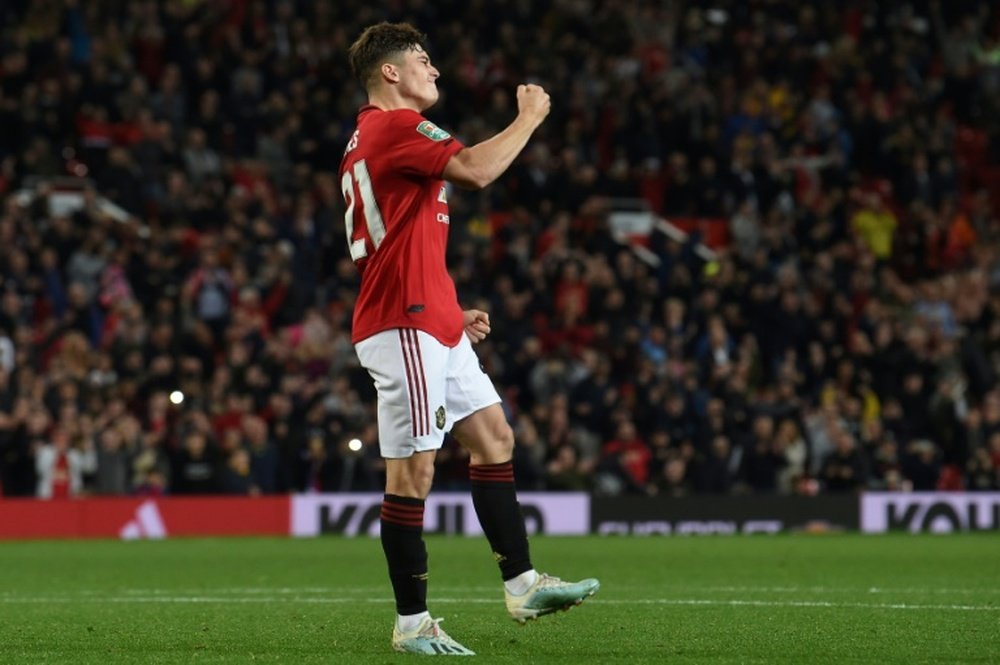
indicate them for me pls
(844, 469)
(61, 466)
(195, 468)
(564, 472)
(316, 469)
(263, 456)
(625, 461)
(112, 474)
(235, 476)
(762, 459)
(716, 468)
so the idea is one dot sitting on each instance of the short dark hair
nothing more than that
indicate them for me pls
(378, 43)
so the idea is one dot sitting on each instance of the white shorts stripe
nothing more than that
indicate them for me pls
(411, 389)
(423, 416)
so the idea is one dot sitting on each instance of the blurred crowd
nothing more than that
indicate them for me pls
(846, 337)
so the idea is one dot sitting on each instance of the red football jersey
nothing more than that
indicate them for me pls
(397, 224)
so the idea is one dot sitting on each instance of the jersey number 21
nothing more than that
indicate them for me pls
(369, 209)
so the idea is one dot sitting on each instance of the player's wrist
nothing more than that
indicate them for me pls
(530, 119)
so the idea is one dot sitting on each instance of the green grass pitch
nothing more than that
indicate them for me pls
(758, 599)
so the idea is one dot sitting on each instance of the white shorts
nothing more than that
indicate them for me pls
(424, 387)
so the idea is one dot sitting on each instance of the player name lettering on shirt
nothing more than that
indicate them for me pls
(353, 143)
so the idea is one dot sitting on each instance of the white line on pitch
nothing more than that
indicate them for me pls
(836, 590)
(252, 591)
(807, 604)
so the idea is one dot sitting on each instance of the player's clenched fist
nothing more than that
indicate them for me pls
(533, 101)
(477, 325)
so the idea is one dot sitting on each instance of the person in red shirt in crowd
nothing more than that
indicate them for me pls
(412, 335)
(628, 457)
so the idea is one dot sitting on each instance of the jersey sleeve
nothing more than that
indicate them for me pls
(419, 146)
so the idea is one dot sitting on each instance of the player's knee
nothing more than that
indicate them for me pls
(415, 481)
(423, 479)
(413, 478)
(503, 438)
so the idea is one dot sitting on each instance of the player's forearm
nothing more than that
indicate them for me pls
(479, 165)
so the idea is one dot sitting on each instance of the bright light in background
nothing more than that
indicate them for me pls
(176, 397)
(354, 445)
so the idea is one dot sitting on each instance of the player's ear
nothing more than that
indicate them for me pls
(389, 72)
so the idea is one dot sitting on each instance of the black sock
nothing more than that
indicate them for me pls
(500, 516)
(405, 552)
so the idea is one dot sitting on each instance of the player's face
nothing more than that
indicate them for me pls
(417, 78)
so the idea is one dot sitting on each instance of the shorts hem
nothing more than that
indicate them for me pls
(411, 450)
(475, 409)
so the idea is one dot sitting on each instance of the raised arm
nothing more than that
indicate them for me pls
(479, 165)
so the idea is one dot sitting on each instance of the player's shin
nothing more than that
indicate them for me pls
(405, 552)
(500, 516)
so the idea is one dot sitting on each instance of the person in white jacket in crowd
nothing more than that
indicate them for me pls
(61, 467)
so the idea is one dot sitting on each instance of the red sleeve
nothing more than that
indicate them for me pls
(419, 146)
